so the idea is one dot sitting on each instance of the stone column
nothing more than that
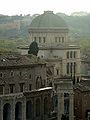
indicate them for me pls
(24, 109)
(60, 105)
(71, 107)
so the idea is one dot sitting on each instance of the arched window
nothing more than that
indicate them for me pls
(18, 111)
(45, 105)
(38, 107)
(7, 112)
(29, 110)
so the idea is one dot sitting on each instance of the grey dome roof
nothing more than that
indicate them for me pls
(48, 20)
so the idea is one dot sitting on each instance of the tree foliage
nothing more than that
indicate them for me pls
(33, 48)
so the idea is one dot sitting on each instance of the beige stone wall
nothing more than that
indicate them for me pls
(49, 37)
(11, 101)
(28, 76)
(61, 56)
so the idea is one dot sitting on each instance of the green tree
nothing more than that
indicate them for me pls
(33, 48)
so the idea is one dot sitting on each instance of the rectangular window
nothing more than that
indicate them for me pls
(71, 66)
(55, 39)
(71, 54)
(59, 39)
(68, 54)
(21, 87)
(20, 73)
(57, 72)
(30, 76)
(74, 68)
(74, 54)
(11, 88)
(1, 89)
(44, 39)
(30, 86)
(12, 74)
(62, 39)
(1, 74)
(67, 68)
(39, 39)
(34, 38)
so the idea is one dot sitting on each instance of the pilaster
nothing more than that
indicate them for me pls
(24, 109)
(60, 105)
(71, 109)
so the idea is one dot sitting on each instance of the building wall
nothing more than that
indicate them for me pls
(11, 78)
(50, 37)
(78, 104)
(10, 110)
(85, 68)
(60, 55)
(81, 104)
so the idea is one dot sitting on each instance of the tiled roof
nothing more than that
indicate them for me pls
(84, 85)
(19, 60)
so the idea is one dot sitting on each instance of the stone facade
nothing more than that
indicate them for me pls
(32, 105)
(63, 59)
(85, 67)
(24, 94)
(21, 73)
(82, 100)
(53, 42)
(64, 90)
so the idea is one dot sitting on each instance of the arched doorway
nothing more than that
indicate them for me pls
(18, 111)
(7, 112)
(37, 107)
(29, 110)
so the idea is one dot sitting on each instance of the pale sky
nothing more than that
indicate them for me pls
(13, 7)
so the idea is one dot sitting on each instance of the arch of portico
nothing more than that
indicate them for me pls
(65, 104)
(18, 111)
(29, 110)
(23, 106)
(7, 112)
